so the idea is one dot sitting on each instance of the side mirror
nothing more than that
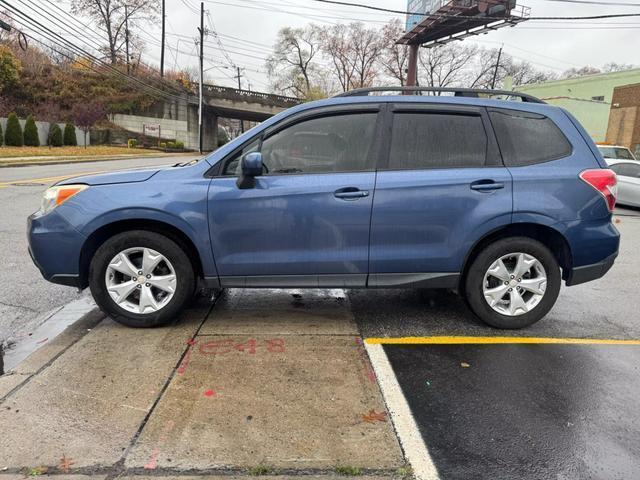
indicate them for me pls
(251, 167)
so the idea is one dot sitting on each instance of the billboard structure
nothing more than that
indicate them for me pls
(432, 23)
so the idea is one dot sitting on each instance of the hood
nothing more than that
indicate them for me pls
(125, 176)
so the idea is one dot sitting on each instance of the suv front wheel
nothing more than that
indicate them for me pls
(513, 283)
(141, 278)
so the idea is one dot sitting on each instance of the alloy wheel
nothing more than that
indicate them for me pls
(514, 284)
(140, 280)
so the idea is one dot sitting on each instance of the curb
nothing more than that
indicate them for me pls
(48, 335)
(44, 161)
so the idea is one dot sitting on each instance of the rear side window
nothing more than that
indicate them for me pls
(528, 138)
(437, 140)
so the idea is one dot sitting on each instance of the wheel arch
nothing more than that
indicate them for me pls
(103, 233)
(553, 239)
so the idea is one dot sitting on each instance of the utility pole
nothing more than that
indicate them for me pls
(126, 36)
(162, 43)
(495, 72)
(200, 101)
(240, 88)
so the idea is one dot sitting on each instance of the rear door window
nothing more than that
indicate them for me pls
(528, 138)
(423, 140)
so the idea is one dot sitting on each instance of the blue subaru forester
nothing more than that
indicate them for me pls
(498, 198)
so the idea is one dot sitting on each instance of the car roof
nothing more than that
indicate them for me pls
(541, 108)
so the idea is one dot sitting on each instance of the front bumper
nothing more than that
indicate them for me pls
(594, 271)
(54, 247)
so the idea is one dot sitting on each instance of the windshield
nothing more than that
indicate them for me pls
(618, 153)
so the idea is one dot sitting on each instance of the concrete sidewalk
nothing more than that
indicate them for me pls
(271, 382)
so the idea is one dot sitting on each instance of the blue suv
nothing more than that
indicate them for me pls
(498, 198)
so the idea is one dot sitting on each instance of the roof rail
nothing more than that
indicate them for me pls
(458, 92)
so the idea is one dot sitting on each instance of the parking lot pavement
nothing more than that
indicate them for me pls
(283, 390)
(534, 411)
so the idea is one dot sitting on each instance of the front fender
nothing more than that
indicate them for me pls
(184, 208)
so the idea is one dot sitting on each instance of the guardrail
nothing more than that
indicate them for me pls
(236, 94)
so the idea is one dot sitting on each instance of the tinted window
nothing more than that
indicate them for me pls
(527, 138)
(233, 164)
(626, 170)
(339, 143)
(437, 140)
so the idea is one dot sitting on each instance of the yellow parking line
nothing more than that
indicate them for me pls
(48, 179)
(495, 340)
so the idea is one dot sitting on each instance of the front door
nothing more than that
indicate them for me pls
(306, 221)
(442, 187)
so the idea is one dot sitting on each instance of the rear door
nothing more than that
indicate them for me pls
(441, 187)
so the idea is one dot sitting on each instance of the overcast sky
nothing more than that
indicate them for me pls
(248, 29)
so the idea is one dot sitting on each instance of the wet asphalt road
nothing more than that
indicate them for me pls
(533, 412)
(26, 299)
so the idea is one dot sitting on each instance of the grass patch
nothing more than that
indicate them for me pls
(348, 470)
(9, 152)
(260, 470)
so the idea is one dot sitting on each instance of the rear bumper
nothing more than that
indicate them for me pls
(594, 271)
(54, 247)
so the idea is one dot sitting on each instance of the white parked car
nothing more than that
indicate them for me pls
(628, 172)
(615, 152)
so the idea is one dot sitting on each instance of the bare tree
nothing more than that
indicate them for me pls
(447, 65)
(366, 50)
(352, 51)
(486, 65)
(112, 16)
(617, 67)
(393, 57)
(580, 72)
(292, 66)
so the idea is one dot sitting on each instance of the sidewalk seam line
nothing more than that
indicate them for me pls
(118, 467)
(411, 441)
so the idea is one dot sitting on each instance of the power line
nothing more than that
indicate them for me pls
(52, 37)
(458, 17)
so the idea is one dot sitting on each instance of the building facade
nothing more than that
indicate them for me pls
(588, 98)
(624, 119)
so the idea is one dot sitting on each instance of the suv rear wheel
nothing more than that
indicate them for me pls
(141, 278)
(513, 283)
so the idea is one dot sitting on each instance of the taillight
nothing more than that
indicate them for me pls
(605, 182)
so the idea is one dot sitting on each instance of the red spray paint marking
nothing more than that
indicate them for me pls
(209, 393)
(185, 362)
(191, 342)
(251, 346)
(152, 463)
(368, 369)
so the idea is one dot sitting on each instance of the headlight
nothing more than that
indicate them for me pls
(55, 196)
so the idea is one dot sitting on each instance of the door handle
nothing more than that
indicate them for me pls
(350, 193)
(486, 185)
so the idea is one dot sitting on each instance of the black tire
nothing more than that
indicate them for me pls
(475, 278)
(185, 278)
